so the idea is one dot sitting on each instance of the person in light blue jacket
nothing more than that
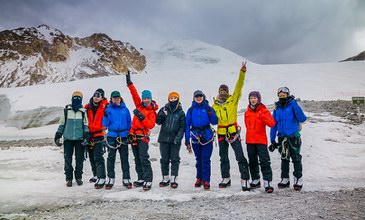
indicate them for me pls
(288, 116)
(199, 118)
(117, 120)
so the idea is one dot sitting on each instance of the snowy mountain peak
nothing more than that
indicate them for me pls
(30, 56)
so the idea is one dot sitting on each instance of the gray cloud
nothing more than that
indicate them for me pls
(284, 31)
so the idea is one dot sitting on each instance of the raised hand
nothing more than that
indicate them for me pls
(244, 68)
(128, 78)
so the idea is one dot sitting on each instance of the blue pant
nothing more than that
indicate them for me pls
(202, 156)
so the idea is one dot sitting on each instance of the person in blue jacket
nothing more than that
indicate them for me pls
(117, 120)
(199, 118)
(288, 116)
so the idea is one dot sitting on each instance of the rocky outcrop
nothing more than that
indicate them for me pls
(30, 56)
(360, 56)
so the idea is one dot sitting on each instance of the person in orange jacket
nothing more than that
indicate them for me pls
(257, 117)
(144, 120)
(95, 113)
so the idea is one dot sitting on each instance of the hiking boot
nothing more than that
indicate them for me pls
(99, 184)
(255, 184)
(285, 183)
(298, 183)
(173, 183)
(127, 183)
(268, 187)
(110, 183)
(79, 182)
(93, 179)
(225, 182)
(68, 183)
(245, 185)
(206, 185)
(165, 181)
(198, 183)
(138, 183)
(147, 186)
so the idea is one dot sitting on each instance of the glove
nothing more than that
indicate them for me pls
(177, 140)
(139, 114)
(273, 146)
(128, 78)
(57, 139)
(244, 68)
(87, 138)
(188, 147)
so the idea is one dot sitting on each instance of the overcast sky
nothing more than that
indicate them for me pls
(263, 31)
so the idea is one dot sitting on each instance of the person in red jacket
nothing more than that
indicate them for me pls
(257, 117)
(95, 113)
(144, 120)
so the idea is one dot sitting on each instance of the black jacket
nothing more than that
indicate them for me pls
(172, 124)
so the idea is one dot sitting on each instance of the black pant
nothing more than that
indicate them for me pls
(238, 151)
(123, 154)
(69, 147)
(143, 164)
(294, 152)
(170, 153)
(90, 151)
(260, 151)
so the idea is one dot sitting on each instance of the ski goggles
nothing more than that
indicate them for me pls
(97, 95)
(283, 89)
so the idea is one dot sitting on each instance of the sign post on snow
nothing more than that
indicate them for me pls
(358, 100)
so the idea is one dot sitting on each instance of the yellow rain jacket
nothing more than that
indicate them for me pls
(227, 112)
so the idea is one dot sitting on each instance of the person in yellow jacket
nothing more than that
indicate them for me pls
(225, 106)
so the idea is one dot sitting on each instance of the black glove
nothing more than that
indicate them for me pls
(57, 139)
(87, 138)
(139, 114)
(128, 78)
(273, 146)
(177, 140)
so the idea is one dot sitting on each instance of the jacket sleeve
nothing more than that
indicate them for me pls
(273, 129)
(180, 133)
(245, 119)
(187, 125)
(268, 119)
(239, 85)
(213, 119)
(136, 99)
(105, 121)
(160, 117)
(61, 127)
(299, 114)
(150, 120)
(86, 123)
(129, 120)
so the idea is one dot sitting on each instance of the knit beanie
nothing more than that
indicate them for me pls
(77, 93)
(173, 94)
(101, 91)
(224, 88)
(146, 94)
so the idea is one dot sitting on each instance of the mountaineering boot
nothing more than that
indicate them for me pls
(79, 182)
(245, 185)
(138, 183)
(147, 186)
(110, 183)
(268, 187)
(225, 182)
(173, 183)
(68, 183)
(298, 183)
(93, 179)
(255, 184)
(285, 183)
(206, 185)
(127, 183)
(99, 184)
(198, 183)
(165, 181)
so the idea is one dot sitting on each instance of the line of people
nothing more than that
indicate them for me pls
(104, 125)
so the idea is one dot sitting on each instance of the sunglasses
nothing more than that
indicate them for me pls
(77, 98)
(197, 96)
(283, 89)
(97, 95)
